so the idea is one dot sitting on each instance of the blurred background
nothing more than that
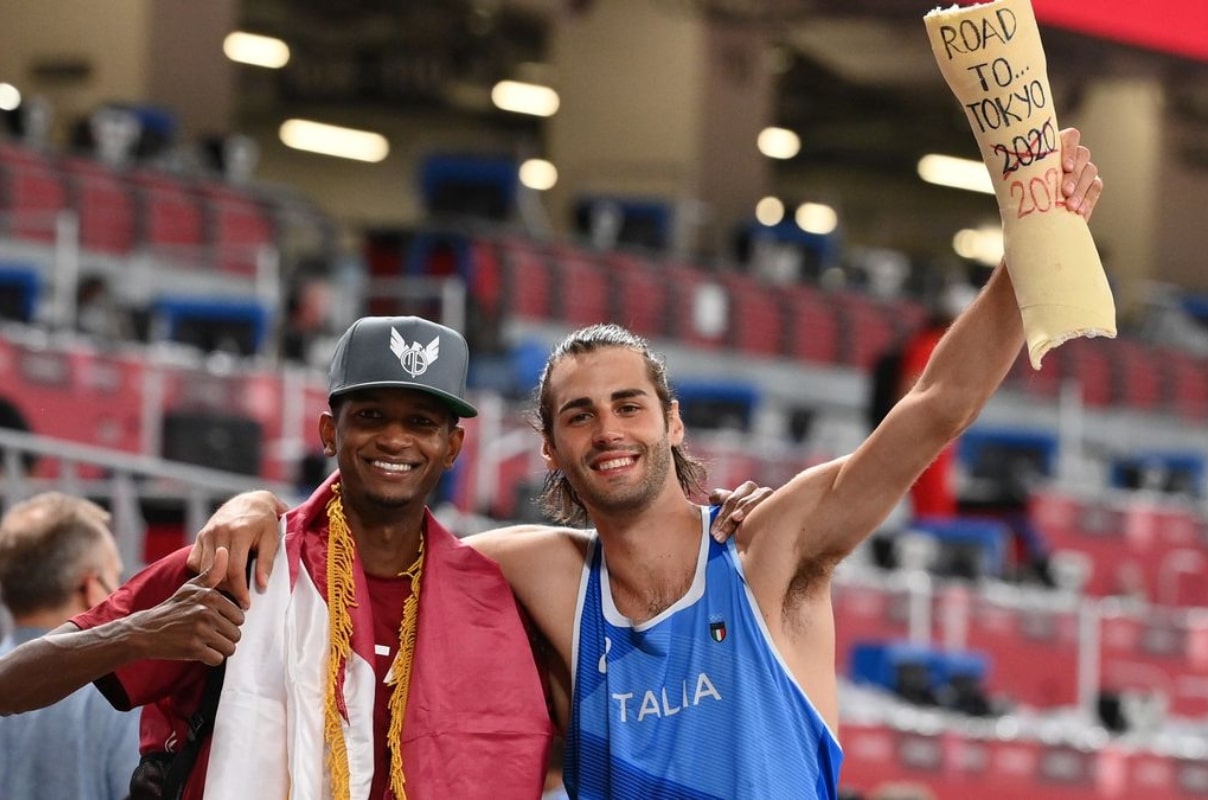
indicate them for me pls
(197, 198)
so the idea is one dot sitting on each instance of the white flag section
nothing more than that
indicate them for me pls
(270, 719)
(993, 60)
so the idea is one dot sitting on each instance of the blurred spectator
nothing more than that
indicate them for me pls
(99, 314)
(58, 559)
(306, 333)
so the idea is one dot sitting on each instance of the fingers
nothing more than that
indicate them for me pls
(218, 645)
(264, 568)
(211, 657)
(1070, 139)
(197, 623)
(214, 574)
(1081, 184)
(1093, 193)
(748, 503)
(236, 577)
(734, 509)
(202, 554)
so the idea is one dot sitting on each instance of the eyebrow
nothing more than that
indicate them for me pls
(422, 401)
(585, 402)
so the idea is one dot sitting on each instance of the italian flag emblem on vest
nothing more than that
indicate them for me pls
(717, 631)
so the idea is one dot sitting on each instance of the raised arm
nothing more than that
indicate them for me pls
(823, 513)
(197, 623)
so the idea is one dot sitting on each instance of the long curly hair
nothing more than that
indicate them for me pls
(558, 499)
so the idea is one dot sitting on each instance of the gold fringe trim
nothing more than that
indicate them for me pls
(400, 675)
(340, 598)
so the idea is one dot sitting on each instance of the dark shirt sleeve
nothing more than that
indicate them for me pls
(140, 682)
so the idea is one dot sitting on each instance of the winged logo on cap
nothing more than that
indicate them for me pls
(414, 359)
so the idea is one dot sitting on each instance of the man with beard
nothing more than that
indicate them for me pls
(678, 657)
(386, 660)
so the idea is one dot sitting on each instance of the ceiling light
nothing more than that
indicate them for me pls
(983, 245)
(778, 143)
(525, 98)
(769, 211)
(958, 173)
(538, 174)
(10, 97)
(259, 51)
(333, 140)
(816, 218)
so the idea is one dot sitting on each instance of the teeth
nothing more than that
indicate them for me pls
(614, 463)
(389, 467)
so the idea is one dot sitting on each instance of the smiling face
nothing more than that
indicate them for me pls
(610, 436)
(392, 446)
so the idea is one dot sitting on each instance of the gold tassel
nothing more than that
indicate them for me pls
(400, 676)
(340, 598)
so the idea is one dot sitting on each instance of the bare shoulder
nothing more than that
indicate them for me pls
(788, 535)
(778, 523)
(523, 537)
(523, 547)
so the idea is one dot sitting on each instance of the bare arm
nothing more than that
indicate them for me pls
(197, 623)
(823, 513)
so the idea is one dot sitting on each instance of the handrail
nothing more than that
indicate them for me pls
(197, 487)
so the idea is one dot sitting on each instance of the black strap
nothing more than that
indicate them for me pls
(200, 725)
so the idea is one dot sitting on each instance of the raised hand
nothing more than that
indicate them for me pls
(735, 505)
(245, 524)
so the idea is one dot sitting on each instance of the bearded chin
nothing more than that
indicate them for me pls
(637, 498)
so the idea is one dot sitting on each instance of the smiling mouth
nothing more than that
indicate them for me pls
(388, 466)
(614, 463)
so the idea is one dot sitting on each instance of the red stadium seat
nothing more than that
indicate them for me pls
(640, 299)
(1136, 375)
(527, 280)
(105, 203)
(1033, 649)
(170, 216)
(865, 612)
(584, 295)
(756, 323)
(1154, 651)
(1087, 361)
(238, 226)
(813, 333)
(1188, 377)
(32, 193)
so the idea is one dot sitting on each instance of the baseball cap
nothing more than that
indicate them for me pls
(402, 353)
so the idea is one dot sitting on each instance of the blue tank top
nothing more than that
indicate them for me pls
(695, 703)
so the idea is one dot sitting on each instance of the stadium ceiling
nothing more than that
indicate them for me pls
(854, 77)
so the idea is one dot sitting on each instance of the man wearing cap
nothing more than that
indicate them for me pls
(388, 660)
(345, 683)
(677, 658)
